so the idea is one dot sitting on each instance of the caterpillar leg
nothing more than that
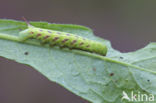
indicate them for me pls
(63, 46)
(42, 43)
(52, 45)
(70, 48)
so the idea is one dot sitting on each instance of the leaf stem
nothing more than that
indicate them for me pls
(16, 39)
(9, 37)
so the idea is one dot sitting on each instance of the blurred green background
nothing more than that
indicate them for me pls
(128, 24)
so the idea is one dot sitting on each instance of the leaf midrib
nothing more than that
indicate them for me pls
(16, 39)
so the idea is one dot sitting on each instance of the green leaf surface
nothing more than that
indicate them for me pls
(95, 78)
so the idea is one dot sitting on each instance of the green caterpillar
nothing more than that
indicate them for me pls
(62, 39)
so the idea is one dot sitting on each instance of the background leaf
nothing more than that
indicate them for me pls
(95, 78)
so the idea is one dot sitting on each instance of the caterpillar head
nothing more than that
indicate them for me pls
(25, 34)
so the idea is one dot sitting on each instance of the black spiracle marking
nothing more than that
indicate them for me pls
(73, 42)
(38, 35)
(65, 40)
(81, 43)
(46, 37)
(55, 38)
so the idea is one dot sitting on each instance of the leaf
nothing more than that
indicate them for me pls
(96, 78)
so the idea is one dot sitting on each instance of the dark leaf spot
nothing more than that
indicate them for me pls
(111, 74)
(121, 57)
(26, 53)
(94, 69)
